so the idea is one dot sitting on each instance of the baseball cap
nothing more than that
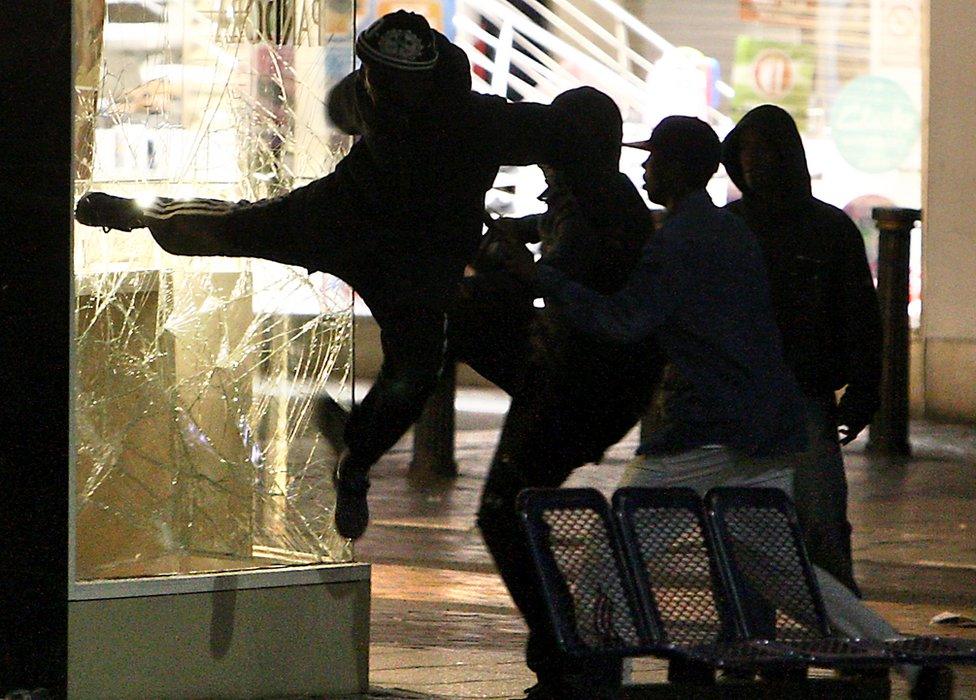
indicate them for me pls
(688, 141)
(400, 40)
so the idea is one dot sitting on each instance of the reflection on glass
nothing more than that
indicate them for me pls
(195, 376)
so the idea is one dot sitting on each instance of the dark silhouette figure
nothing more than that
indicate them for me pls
(684, 293)
(397, 220)
(827, 312)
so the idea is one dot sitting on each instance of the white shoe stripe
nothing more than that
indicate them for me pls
(199, 207)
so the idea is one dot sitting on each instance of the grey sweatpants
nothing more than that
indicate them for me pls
(702, 468)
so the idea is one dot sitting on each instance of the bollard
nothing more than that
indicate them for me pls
(889, 429)
(433, 433)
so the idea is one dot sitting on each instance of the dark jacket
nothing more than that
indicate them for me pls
(423, 167)
(402, 213)
(496, 319)
(823, 295)
(589, 391)
(700, 291)
(602, 258)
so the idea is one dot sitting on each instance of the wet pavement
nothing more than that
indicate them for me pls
(444, 627)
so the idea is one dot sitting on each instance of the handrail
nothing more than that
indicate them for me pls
(592, 25)
(640, 29)
(626, 86)
(539, 53)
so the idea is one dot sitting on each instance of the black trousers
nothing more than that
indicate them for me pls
(563, 417)
(413, 339)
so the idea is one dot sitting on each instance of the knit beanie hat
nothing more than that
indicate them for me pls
(400, 40)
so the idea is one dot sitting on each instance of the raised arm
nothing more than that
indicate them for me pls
(644, 303)
(524, 133)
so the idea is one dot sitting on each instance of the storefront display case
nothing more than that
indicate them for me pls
(204, 556)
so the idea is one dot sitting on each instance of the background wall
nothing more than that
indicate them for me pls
(949, 201)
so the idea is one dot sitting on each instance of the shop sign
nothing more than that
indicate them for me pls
(281, 22)
(874, 124)
(782, 12)
(772, 72)
(898, 33)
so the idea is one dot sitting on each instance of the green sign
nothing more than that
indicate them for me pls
(874, 124)
(772, 72)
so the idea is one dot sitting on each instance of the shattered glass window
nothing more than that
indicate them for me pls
(195, 376)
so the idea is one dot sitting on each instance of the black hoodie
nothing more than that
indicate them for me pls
(423, 164)
(823, 296)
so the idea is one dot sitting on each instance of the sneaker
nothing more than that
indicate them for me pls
(100, 209)
(351, 510)
(331, 419)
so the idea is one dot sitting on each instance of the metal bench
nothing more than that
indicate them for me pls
(775, 593)
(593, 604)
(728, 587)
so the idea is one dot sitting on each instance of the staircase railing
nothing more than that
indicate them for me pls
(573, 48)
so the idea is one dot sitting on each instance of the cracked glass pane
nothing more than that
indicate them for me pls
(195, 376)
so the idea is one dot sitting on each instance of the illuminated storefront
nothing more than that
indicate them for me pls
(196, 472)
(850, 73)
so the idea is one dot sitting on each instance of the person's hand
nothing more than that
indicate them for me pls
(855, 410)
(100, 209)
(850, 423)
(501, 242)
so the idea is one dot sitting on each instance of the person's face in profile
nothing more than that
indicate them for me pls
(760, 162)
(658, 176)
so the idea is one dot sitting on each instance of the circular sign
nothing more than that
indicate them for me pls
(773, 73)
(902, 20)
(874, 124)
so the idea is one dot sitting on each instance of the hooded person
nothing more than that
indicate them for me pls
(573, 395)
(701, 290)
(826, 309)
(494, 326)
(397, 220)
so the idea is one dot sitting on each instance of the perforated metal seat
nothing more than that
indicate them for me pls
(677, 580)
(580, 569)
(774, 592)
(589, 593)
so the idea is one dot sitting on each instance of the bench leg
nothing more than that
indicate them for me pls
(686, 671)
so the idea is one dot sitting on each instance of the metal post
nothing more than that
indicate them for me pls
(433, 433)
(889, 429)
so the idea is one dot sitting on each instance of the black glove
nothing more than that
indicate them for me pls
(100, 209)
(853, 415)
(501, 242)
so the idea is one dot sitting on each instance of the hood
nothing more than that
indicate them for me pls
(452, 73)
(596, 127)
(777, 126)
